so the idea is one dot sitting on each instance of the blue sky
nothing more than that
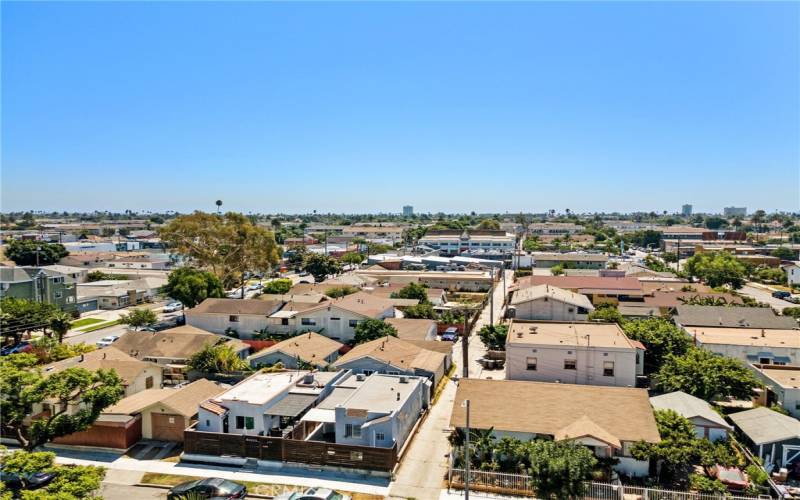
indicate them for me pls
(357, 107)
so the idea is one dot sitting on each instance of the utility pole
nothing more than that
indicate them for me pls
(38, 249)
(466, 453)
(465, 348)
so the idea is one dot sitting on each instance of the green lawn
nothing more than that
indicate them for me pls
(85, 322)
(101, 326)
(252, 487)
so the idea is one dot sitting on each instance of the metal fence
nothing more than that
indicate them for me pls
(520, 484)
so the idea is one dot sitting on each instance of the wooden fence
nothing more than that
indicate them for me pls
(289, 450)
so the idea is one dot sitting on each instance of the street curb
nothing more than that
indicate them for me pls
(165, 487)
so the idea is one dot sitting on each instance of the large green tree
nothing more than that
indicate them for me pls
(227, 245)
(20, 316)
(321, 266)
(220, 358)
(717, 269)
(77, 398)
(278, 286)
(139, 317)
(371, 329)
(559, 469)
(660, 337)
(677, 450)
(193, 286)
(70, 482)
(494, 336)
(24, 252)
(706, 375)
(416, 291)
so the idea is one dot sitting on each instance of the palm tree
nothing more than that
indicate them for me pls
(60, 323)
(219, 206)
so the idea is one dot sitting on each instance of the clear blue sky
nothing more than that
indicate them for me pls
(356, 107)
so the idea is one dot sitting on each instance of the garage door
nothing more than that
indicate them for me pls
(167, 427)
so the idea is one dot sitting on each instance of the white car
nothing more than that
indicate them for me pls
(107, 341)
(172, 307)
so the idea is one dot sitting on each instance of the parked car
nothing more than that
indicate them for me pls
(30, 481)
(16, 348)
(313, 494)
(172, 307)
(107, 340)
(209, 488)
(451, 334)
(779, 294)
(255, 286)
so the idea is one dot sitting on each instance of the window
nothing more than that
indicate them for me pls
(353, 323)
(335, 319)
(570, 364)
(764, 361)
(608, 368)
(352, 430)
(249, 422)
(308, 321)
(379, 436)
(531, 364)
(284, 321)
(571, 309)
(239, 422)
(233, 318)
(70, 300)
(367, 372)
(208, 423)
(148, 383)
(59, 295)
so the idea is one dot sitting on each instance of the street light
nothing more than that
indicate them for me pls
(465, 404)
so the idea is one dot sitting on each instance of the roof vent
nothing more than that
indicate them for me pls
(308, 379)
(398, 396)
(403, 380)
(360, 377)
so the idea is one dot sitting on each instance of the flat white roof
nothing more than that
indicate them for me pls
(262, 387)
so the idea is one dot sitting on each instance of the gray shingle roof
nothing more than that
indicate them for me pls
(764, 426)
(732, 317)
(688, 406)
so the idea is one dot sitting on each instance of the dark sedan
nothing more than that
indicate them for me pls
(212, 488)
(31, 481)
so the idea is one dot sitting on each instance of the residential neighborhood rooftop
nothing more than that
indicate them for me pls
(261, 387)
(688, 406)
(764, 426)
(758, 337)
(548, 408)
(733, 317)
(310, 347)
(183, 400)
(237, 306)
(537, 292)
(382, 393)
(787, 376)
(557, 333)
(395, 352)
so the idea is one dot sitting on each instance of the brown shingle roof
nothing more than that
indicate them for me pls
(177, 343)
(237, 306)
(309, 347)
(546, 408)
(395, 352)
(127, 367)
(184, 400)
(412, 328)
(359, 303)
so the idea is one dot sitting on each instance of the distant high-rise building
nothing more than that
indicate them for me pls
(734, 211)
(408, 210)
(686, 210)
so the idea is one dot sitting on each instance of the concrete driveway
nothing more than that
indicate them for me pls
(764, 295)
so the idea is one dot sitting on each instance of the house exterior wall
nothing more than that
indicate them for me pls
(395, 428)
(589, 364)
(705, 429)
(246, 326)
(792, 275)
(750, 354)
(147, 420)
(288, 361)
(787, 397)
(140, 382)
(550, 310)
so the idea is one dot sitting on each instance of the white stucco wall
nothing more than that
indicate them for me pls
(550, 310)
(589, 365)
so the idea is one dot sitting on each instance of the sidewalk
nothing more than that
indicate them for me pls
(125, 469)
(477, 495)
